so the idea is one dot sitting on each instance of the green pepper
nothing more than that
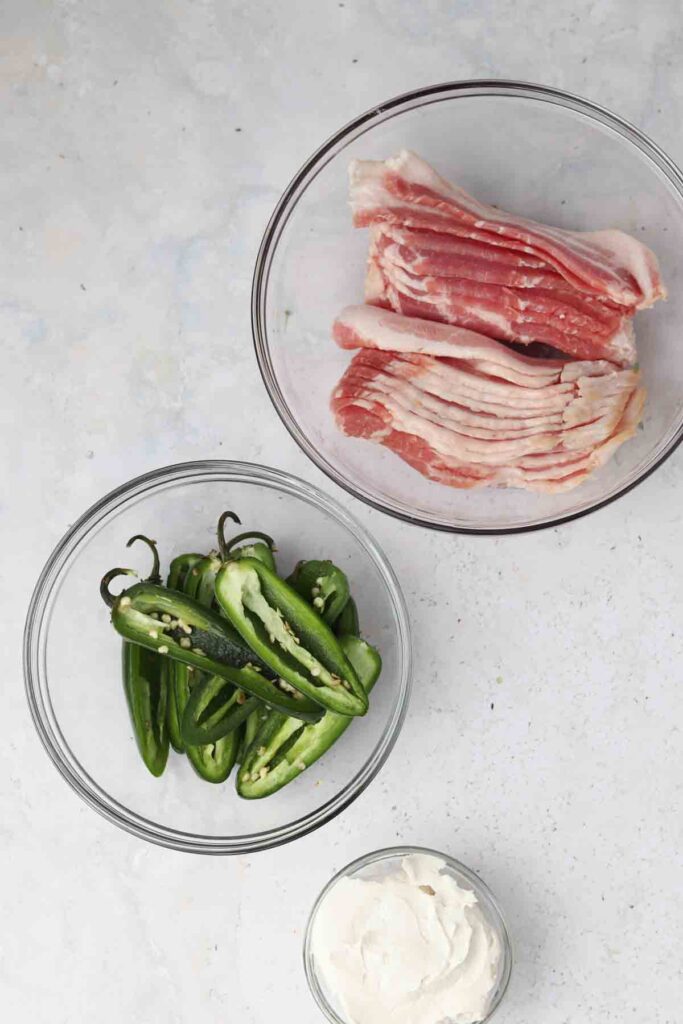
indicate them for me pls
(178, 674)
(286, 633)
(251, 727)
(191, 574)
(215, 709)
(178, 694)
(179, 568)
(146, 692)
(347, 624)
(323, 585)
(200, 580)
(173, 624)
(145, 685)
(284, 747)
(212, 757)
(213, 762)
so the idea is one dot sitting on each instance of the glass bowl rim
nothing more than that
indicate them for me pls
(387, 853)
(297, 186)
(37, 688)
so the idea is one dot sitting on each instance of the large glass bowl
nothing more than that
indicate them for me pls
(73, 656)
(537, 151)
(376, 865)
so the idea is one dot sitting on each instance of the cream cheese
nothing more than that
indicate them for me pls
(410, 946)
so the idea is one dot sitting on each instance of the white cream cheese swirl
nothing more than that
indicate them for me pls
(409, 947)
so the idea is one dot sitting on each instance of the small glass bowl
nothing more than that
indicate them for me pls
(367, 866)
(72, 656)
(538, 151)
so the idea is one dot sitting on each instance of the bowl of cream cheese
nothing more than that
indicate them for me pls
(407, 935)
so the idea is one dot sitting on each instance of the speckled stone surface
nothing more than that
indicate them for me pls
(144, 146)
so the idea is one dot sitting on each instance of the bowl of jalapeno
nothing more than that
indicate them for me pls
(217, 657)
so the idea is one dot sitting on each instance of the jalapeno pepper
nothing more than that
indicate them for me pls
(323, 585)
(347, 624)
(191, 579)
(284, 747)
(215, 708)
(146, 688)
(173, 624)
(179, 568)
(212, 757)
(214, 761)
(178, 676)
(146, 692)
(176, 673)
(287, 634)
(200, 580)
(251, 727)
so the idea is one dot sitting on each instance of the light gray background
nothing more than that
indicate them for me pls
(144, 146)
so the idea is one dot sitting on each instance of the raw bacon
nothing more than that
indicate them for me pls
(370, 327)
(505, 314)
(454, 290)
(468, 411)
(406, 191)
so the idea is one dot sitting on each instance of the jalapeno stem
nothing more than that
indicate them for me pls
(155, 575)
(220, 530)
(248, 535)
(105, 592)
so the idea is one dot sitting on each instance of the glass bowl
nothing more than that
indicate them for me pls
(538, 151)
(72, 656)
(374, 865)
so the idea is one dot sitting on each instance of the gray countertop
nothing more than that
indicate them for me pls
(144, 146)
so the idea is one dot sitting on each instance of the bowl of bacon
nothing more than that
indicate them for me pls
(458, 307)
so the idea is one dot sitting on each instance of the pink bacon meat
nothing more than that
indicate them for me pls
(541, 307)
(467, 411)
(437, 253)
(406, 191)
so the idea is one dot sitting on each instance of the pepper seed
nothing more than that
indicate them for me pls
(163, 649)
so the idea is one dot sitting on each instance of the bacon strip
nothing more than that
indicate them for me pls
(450, 283)
(576, 324)
(406, 191)
(371, 327)
(468, 411)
